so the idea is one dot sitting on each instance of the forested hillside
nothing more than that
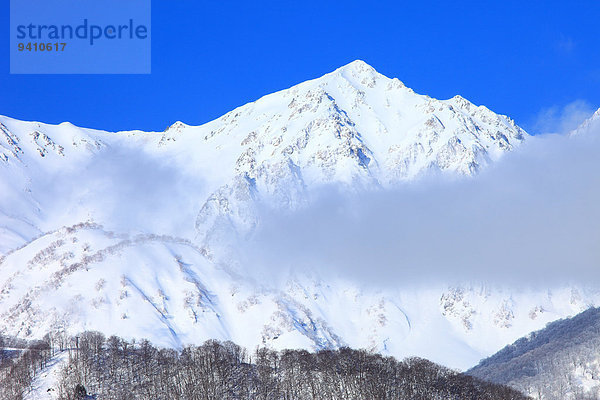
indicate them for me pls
(113, 368)
(559, 362)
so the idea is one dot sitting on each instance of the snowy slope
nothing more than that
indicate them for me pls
(46, 383)
(588, 126)
(164, 288)
(133, 232)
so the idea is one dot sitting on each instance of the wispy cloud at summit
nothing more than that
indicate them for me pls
(562, 119)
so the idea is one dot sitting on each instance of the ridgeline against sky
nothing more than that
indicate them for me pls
(535, 61)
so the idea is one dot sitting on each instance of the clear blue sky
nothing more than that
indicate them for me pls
(208, 57)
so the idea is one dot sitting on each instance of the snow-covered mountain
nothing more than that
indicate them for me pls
(353, 126)
(134, 233)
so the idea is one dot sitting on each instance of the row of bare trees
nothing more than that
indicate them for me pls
(114, 368)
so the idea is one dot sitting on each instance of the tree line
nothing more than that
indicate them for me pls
(117, 369)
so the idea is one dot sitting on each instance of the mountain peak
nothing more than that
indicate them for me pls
(592, 123)
(357, 66)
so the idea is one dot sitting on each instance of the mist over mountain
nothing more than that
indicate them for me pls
(528, 220)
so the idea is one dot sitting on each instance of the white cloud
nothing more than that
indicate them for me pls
(565, 44)
(532, 218)
(562, 119)
(125, 190)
